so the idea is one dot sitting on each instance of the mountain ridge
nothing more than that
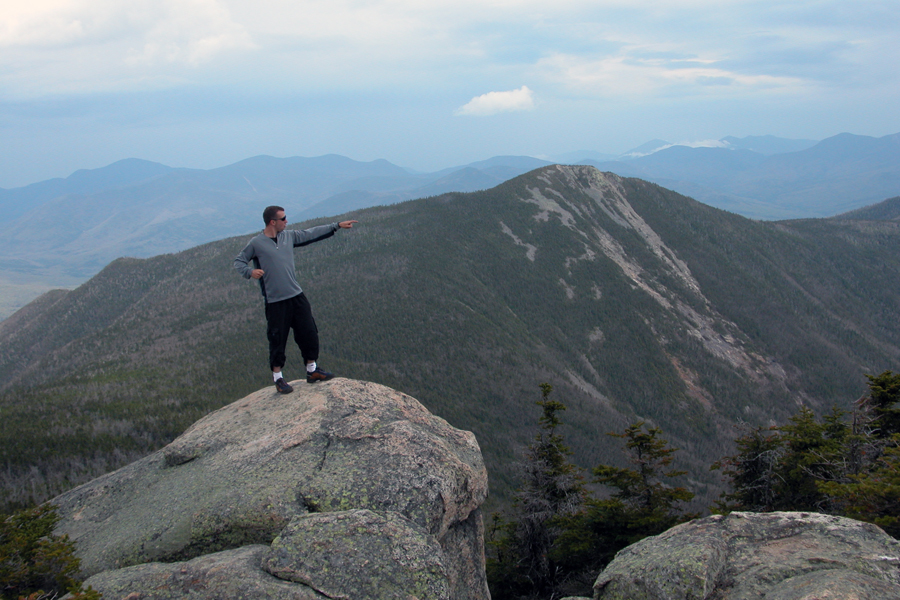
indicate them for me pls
(888, 210)
(138, 208)
(835, 175)
(634, 302)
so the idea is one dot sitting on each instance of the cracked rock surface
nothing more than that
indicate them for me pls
(283, 473)
(749, 556)
(359, 554)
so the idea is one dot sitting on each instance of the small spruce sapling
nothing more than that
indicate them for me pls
(643, 503)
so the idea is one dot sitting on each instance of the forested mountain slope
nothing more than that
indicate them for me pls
(888, 210)
(633, 301)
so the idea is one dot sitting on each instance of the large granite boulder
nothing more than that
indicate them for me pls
(771, 556)
(342, 489)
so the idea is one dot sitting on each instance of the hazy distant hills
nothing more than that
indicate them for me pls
(633, 301)
(836, 175)
(767, 144)
(140, 209)
(16, 202)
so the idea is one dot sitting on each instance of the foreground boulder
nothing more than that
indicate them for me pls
(344, 489)
(744, 556)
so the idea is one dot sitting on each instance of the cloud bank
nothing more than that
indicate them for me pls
(202, 83)
(497, 102)
(52, 47)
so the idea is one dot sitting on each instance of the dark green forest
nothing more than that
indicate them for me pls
(634, 302)
(560, 534)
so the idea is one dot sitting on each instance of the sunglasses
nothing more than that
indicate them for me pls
(284, 218)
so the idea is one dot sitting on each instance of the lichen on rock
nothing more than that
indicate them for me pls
(744, 556)
(253, 471)
(360, 554)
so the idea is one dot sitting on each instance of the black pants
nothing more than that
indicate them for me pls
(293, 313)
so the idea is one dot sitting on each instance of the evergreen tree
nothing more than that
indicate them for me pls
(833, 465)
(35, 563)
(874, 495)
(884, 402)
(752, 472)
(643, 504)
(871, 491)
(813, 452)
(521, 565)
(643, 489)
(780, 468)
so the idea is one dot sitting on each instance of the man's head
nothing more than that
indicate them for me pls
(271, 214)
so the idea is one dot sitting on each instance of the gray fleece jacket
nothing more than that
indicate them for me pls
(276, 258)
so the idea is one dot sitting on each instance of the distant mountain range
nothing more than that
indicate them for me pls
(750, 178)
(633, 301)
(139, 208)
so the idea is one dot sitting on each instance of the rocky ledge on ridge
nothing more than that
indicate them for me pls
(345, 489)
(750, 556)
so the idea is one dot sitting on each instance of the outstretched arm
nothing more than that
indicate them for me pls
(316, 234)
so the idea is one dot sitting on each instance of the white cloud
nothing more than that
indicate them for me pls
(630, 74)
(581, 47)
(498, 102)
(191, 32)
(39, 23)
(632, 69)
(689, 144)
(53, 46)
(704, 144)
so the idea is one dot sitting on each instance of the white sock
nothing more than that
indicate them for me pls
(277, 375)
(311, 367)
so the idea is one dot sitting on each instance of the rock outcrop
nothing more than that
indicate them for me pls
(340, 490)
(744, 556)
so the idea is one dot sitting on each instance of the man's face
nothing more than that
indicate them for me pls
(280, 221)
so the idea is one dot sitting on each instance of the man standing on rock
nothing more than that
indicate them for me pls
(272, 255)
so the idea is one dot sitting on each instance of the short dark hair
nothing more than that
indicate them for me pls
(270, 214)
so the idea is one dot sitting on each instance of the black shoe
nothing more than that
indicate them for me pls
(283, 386)
(318, 375)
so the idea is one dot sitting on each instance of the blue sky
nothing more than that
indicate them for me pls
(426, 85)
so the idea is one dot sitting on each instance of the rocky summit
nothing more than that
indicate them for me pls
(344, 489)
(744, 556)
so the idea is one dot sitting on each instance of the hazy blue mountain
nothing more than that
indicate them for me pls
(302, 181)
(346, 202)
(633, 301)
(138, 208)
(17, 201)
(838, 174)
(466, 179)
(761, 144)
(768, 144)
(707, 166)
(383, 191)
(645, 149)
(119, 173)
(574, 158)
